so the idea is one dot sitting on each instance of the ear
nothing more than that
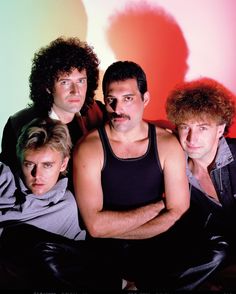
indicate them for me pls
(146, 98)
(221, 129)
(64, 164)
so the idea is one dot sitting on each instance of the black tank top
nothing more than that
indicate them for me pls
(133, 182)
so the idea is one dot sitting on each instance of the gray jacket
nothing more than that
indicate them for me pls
(56, 211)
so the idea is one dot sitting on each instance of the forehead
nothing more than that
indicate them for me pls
(42, 154)
(122, 86)
(196, 123)
(74, 72)
(204, 119)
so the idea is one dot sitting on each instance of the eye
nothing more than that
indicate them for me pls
(28, 165)
(128, 98)
(109, 100)
(64, 82)
(47, 165)
(183, 128)
(203, 128)
(82, 81)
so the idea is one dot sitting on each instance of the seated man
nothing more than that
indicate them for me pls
(126, 178)
(42, 198)
(38, 197)
(203, 111)
(139, 187)
(43, 211)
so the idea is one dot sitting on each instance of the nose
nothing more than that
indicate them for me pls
(192, 136)
(36, 172)
(116, 106)
(74, 88)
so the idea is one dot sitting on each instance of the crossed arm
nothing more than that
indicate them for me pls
(139, 223)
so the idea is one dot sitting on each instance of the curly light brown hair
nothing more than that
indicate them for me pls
(200, 99)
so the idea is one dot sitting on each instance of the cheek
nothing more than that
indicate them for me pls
(135, 109)
(58, 95)
(28, 180)
(54, 174)
(84, 89)
(182, 142)
(108, 108)
(182, 137)
(210, 140)
(26, 173)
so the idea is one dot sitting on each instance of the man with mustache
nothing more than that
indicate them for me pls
(129, 179)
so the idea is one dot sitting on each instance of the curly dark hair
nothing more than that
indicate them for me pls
(201, 98)
(62, 56)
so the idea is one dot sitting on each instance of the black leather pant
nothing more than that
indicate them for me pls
(34, 259)
(20, 266)
(152, 264)
(203, 263)
(178, 268)
(78, 267)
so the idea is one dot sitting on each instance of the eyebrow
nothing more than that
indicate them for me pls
(62, 78)
(199, 125)
(129, 94)
(30, 161)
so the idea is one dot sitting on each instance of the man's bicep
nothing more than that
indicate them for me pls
(176, 182)
(87, 185)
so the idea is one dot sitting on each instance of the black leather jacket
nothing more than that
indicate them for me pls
(218, 217)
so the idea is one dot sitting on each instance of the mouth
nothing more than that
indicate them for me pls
(74, 100)
(119, 119)
(191, 147)
(37, 185)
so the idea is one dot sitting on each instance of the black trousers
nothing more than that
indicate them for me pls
(39, 260)
(35, 259)
(179, 266)
(157, 264)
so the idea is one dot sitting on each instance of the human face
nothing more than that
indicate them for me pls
(41, 169)
(200, 138)
(124, 104)
(69, 94)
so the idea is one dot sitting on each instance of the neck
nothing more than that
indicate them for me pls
(137, 133)
(205, 162)
(63, 116)
(198, 165)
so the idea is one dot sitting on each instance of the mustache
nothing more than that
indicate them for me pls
(114, 115)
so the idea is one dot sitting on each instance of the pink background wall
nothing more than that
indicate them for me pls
(172, 40)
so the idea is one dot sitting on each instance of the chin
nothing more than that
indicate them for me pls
(194, 155)
(38, 193)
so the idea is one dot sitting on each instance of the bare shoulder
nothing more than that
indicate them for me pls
(165, 136)
(167, 142)
(88, 144)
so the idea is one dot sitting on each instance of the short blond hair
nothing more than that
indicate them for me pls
(44, 133)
